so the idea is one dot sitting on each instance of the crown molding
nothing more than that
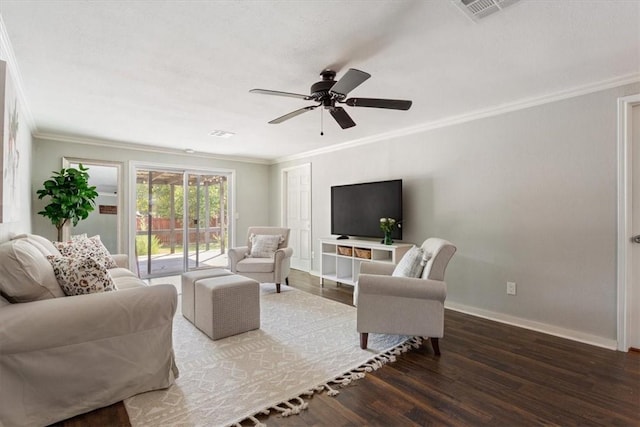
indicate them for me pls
(145, 148)
(14, 72)
(471, 116)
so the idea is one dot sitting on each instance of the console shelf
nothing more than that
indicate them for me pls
(341, 259)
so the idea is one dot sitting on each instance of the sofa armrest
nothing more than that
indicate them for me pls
(235, 255)
(122, 260)
(71, 320)
(377, 268)
(406, 287)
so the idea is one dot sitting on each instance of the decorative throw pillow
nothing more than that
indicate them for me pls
(412, 263)
(264, 245)
(87, 247)
(79, 276)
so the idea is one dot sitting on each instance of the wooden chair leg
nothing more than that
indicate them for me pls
(277, 288)
(435, 345)
(364, 336)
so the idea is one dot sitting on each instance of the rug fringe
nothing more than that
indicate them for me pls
(287, 408)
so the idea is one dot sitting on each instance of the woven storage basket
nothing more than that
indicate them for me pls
(363, 253)
(344, 250)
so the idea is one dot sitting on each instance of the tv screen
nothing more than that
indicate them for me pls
(356, 209)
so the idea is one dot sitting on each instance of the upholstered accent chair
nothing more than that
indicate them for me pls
(263, 259)
(404, 305)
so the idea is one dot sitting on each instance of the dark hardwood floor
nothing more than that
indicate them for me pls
(488, 374)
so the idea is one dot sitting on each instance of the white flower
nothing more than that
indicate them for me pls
(383, 219)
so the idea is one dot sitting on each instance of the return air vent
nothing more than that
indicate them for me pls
(478, 9)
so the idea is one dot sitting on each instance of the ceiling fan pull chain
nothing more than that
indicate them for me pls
(321, 121)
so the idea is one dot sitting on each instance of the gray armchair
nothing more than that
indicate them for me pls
(404, 305)
(264, 270)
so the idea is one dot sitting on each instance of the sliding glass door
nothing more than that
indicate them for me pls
(207, 207)
(181, 220)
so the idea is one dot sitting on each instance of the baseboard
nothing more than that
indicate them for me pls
(545, 328)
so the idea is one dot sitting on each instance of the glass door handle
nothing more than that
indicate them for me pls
(636, 239)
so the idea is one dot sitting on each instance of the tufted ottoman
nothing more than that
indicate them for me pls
(189, 280)
(224, 304)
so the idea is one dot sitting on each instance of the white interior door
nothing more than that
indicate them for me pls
(296, 196)
(634, 294)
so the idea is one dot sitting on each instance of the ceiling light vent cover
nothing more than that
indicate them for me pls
(478, 9)
(221, 133)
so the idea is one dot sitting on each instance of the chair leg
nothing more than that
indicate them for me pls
(286, 281)
(277, 288)
(435, 345)
(364, 336)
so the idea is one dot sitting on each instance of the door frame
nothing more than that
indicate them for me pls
(231, 194)
(624, 271)
(121, 200)
(284, 201)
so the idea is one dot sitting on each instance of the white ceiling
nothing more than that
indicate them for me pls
(168, 73)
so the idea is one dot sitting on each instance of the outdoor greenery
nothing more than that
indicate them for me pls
(142, 245)
(71, 197)
(161, 198)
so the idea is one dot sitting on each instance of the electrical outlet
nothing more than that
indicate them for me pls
(511, 288)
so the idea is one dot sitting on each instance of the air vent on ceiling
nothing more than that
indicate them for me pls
(221, 133)
(478, 9)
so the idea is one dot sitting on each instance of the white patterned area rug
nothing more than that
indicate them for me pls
(305, 344)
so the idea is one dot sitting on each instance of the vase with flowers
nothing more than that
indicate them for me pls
(387, 225)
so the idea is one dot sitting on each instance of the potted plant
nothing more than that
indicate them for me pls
(72, 199)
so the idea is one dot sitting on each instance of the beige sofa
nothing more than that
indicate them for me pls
(61, 356)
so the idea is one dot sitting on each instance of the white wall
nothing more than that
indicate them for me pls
(527, 196)
(252, 188)
(22, 224)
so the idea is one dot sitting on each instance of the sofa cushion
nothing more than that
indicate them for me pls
(264, 245)
(4, 302)
(256, 265)
(25, 274)
(128, 282)
(87, 247)
(121, 272)
(45, 246)
(79, 276)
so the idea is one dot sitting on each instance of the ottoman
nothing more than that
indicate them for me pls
(227, 305)
(188, 288)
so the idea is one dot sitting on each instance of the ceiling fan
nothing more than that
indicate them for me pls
(329, 92)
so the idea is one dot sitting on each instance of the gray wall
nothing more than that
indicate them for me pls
(106, 225)
(252, 188)
(527, 196)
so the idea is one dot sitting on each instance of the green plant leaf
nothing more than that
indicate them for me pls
(71, 197)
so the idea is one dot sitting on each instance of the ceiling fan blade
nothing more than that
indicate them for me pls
(352, 79)
(279, 93)
(342, 117)
(292, 114)
(393, 104)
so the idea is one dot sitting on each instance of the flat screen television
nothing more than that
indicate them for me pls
(356, 209)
